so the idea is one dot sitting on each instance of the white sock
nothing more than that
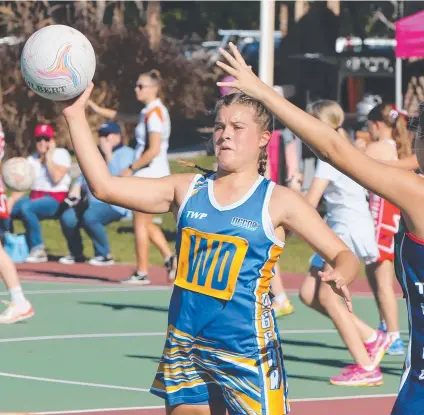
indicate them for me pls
(368, 368)
(373, 338)
(280, 298)
(17, 295)
(394, 335)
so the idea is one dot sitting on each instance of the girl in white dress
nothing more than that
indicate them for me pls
(152, 135)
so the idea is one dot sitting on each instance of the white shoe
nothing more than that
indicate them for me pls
(37, 255)
(16, 312)
(70, 260)
(101, 261)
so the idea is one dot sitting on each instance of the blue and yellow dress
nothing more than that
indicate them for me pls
(222, 339)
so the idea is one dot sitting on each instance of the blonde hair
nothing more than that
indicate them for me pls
(330, 113)
(156, 77)
(396, 120)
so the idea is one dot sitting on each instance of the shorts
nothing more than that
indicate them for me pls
(360, 239)
(154, 171)
(193, 371)
(386, 221)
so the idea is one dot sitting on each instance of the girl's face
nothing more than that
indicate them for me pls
(146, 89)
(238, 138)
(42, 144)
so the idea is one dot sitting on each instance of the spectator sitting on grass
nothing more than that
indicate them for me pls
(48, 191)
(98, 214)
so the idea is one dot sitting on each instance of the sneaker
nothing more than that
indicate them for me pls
(378, 348)
(397, 348)
(137, 279)
(284, 309)
(101, 261)
(355, 375)
(37, 255)
(171, 266)
(70, 260)
(15, 313)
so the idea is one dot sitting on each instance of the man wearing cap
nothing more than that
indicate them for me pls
(98, 214)
(48, 191)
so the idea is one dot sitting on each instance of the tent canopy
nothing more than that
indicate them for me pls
(410, 36)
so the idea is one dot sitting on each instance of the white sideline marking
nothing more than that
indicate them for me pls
(141, 334)
(71, 382)
(136, 334)
(92, 290)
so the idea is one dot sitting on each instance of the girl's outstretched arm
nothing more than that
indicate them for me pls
(403, 188)
(144, 195)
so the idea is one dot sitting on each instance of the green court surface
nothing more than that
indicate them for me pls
(98, 346)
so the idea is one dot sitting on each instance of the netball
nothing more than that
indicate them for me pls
(58, 62)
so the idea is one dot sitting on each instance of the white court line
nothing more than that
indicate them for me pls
(342, 398)
(99, 410)
(335, 398)
(141, 334)
(136, 334)
(92, 290)
(71, 382)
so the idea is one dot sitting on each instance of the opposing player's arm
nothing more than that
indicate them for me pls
(402, 188)
(144, 195)
(292, 211)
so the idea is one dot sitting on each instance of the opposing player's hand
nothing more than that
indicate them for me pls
(338, 284)
(246, 81)
(78, 104)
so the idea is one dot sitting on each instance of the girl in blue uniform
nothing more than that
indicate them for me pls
(222, 350)
(402, 188)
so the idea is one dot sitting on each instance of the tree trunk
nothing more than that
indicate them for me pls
(154, 24)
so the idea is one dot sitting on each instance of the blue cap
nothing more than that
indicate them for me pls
(109, 128)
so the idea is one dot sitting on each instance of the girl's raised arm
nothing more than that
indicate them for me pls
(144, 195)
(403, 188)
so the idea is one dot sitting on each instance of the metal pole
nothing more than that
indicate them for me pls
(398, 83)
(266, 50)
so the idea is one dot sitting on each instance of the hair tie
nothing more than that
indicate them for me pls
(395, 112)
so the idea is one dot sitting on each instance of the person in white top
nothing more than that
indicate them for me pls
(151, 161)
(349, 217)
(390, 142)
(48, 191)
(19, 307)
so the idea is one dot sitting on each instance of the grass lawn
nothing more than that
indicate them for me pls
(121, 236)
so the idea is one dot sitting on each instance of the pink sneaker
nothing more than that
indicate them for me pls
(378, 348)
(355, 375)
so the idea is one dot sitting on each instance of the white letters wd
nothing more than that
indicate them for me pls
(196, 215)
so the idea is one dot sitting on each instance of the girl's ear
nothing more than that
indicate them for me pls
(265, 137)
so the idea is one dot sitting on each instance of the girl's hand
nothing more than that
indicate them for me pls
(334, 279)
(77, 105)
(246, 81)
